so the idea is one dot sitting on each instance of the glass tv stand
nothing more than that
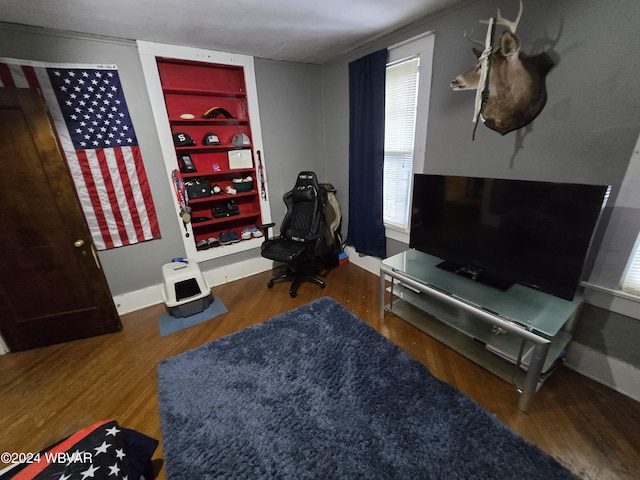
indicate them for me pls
(516, 333)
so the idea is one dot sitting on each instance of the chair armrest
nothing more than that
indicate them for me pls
(265, 228)
(314, 237)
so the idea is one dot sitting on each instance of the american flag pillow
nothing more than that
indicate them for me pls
(103, 450)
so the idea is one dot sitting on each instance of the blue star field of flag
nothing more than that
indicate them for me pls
(104, 451)
(93, 106)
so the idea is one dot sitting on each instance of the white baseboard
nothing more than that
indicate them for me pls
(370, 264)
(139, 299)
(615, 374)
(146, 297)
(611, 372)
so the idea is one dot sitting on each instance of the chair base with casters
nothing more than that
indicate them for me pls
(295, 256)
(296, 279)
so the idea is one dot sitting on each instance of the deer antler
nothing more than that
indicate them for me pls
(511, 25)
(473, 40)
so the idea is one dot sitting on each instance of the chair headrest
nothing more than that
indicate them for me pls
(306, 178)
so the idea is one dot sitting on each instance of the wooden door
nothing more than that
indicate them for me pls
(52, 288)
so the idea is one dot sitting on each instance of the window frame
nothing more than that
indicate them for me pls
(399, 143)
(620, 242)
(631, 275)
(422, 46)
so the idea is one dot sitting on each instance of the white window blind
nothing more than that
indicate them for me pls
(631, 282)
(401, 99)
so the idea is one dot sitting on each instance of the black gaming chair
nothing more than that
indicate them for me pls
(301, 233)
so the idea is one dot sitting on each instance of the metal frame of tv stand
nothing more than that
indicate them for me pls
(541, 344)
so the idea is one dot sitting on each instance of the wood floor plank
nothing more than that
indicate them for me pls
(49, 393)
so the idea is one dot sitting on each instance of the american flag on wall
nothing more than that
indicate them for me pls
(97, 137)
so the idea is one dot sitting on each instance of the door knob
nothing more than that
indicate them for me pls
(78, 243)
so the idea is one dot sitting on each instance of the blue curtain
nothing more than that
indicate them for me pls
(366, 153)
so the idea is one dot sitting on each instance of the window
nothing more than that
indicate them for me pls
(400, 124)
(407, 107)
(631, 282)
(614, 283)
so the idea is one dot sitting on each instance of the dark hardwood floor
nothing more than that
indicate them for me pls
(49, 393)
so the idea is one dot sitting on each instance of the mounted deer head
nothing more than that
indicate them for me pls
(517, 91)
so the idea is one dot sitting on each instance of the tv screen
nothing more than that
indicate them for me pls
(502, 232)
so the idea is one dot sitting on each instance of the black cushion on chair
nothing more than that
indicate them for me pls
(301, 231)
(284, 250)
(306, 193)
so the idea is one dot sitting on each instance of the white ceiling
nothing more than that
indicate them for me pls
(311, 31)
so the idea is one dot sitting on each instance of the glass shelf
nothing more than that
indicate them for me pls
(536, 311)
(520, 327)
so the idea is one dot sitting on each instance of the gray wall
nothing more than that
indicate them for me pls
(132, 267)
(586, 133)
(588, 129)
(291, 120)
(610, 333)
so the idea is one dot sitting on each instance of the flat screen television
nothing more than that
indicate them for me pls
(502, 232)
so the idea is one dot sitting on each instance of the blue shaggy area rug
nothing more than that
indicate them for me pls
(317, 393)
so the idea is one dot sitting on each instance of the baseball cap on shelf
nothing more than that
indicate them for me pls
(241, 140)
(217, 112)
(210, 138)
(182, 139)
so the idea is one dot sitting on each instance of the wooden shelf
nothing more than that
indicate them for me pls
(204, 93)
(210, 121)
(222, 196)
(210, 148)
(216, 221)
(194, 87)
(238, 171)
(195, 63)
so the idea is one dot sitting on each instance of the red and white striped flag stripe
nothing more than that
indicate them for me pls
(95, 132)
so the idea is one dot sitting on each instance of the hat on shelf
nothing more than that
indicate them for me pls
(210, 138)
(217, 112)
(182, 139)
(241, 140)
